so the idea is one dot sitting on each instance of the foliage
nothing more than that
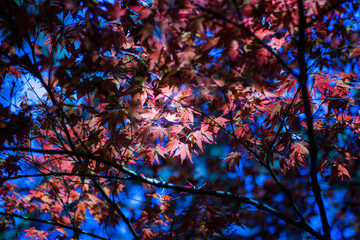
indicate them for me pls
(227, 115)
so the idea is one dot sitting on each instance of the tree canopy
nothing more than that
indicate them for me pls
(179, 119)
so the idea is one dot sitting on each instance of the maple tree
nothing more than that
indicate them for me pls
(180, 119)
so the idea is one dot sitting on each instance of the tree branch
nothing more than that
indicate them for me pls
(161, 184)
(117, 209)
(64, 174)
(52, 223)
(309, 120)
